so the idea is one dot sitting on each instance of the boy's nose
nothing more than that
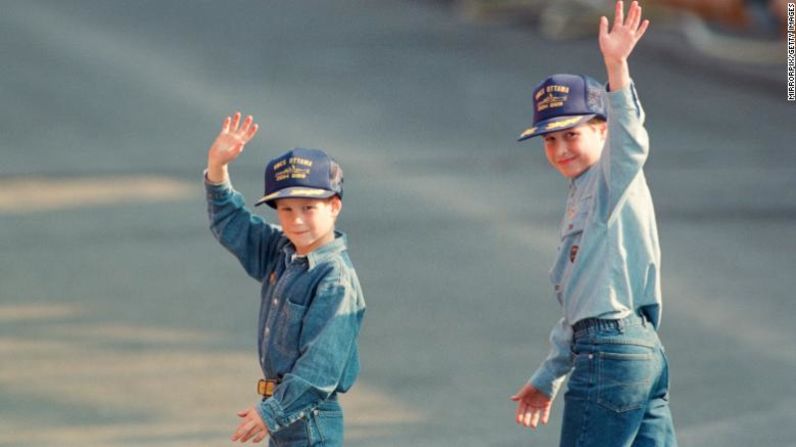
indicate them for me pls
(562, 150)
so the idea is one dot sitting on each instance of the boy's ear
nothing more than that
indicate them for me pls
(602, 129)
(604, 126)
(337, 205)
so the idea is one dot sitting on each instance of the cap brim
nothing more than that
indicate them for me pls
(297, 192)
(554, 125)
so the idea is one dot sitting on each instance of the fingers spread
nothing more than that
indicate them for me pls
(246, 124)
(619, 14)
(633, 16)
(546, 416)
(642, 29)
(250, 133)
(527, 417)
(535, 419)
(603, 26)
(520, 413)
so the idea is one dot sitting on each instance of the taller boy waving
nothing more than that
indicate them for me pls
(606, 274)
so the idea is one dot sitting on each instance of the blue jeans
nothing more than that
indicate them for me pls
(618, 393)
(322, 426)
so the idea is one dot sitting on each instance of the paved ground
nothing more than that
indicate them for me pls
(122, 323)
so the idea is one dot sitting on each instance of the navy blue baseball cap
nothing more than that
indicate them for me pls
(563, 101)
(301, 173)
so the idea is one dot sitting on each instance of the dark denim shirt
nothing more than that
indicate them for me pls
(310, 313)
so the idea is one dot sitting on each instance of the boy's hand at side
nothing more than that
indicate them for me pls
(252, 427)
(228, 145)
(617, 44)
(533, 406)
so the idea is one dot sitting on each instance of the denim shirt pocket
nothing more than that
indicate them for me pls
(289, 327)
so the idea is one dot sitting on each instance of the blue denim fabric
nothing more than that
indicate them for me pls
(311, 311)
(322, 427)
(618, 393)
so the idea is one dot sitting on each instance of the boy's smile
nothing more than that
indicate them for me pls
(572, 151)
(308, 223)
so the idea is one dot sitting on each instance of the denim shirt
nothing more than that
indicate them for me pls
(311, 308)
(608, 261)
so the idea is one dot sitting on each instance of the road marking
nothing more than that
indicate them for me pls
(24, 312)
(170, 390)
(39, 194)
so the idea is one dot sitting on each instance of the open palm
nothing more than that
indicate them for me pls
(232, 139)
(618, 43)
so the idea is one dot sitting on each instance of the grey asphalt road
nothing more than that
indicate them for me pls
(123, 323)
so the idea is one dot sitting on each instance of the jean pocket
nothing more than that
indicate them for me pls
(325, 427)
(314, 435)
(664, 382)
(294, 435)
(624, 379)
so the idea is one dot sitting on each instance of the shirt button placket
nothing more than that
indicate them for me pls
(272, 313)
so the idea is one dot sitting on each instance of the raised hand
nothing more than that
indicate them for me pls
(233, 137)
(617, 43)
(229, 143)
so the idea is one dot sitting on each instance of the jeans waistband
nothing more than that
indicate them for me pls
(602, 323)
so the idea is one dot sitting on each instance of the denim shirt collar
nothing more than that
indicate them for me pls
(320, 254)
(580, 180)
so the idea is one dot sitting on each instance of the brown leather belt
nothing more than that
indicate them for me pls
(266, 387)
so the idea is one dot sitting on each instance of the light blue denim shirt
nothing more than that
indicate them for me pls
(311, 308)
(608, 260)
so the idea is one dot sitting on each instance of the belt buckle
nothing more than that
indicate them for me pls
(266, 388)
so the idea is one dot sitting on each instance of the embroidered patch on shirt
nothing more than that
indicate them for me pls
(571, 213)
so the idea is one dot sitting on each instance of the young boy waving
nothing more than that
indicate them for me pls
(606, 275)
(311, 304)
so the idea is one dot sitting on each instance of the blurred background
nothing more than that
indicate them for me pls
(123, 323)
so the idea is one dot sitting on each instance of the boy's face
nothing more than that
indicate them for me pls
(573, 151)
(308, 223)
